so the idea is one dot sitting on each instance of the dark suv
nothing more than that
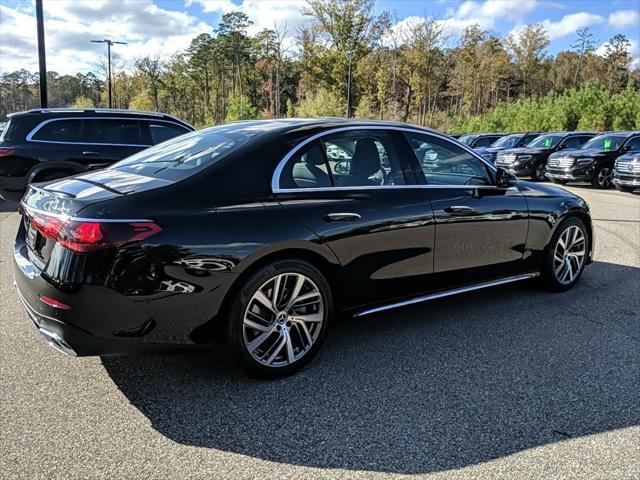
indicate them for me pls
(39, 145)
(531, 160)
(626, 173)
(594, 161)
(480, 140)
(513, 140)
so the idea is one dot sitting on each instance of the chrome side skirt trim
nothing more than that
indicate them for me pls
(447, 293)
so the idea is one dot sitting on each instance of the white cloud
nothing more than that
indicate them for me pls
(569, 24)
(486, 14)
(634, 51)
(625, 19)
(69, 26)
(263, 13)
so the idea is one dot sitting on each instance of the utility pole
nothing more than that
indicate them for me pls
(42, 61)
(109, 44)
(350, 56)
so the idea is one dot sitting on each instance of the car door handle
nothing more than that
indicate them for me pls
(90, 154)
(341, 217)
(460, 210)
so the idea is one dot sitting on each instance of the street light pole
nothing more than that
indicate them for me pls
(109, 44)
(42, 61)
(350, 56)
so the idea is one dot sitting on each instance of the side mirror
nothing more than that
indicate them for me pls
(505, 179)
(562, 146)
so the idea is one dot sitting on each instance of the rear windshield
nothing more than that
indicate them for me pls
(187, 154)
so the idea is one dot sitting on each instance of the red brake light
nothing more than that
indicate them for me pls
(90, 236)
(5, 152)
(52, 302)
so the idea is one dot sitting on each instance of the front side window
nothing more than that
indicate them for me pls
(59, 131)
(444, 163)
(120, 132)
(633, 145)
(163, 131)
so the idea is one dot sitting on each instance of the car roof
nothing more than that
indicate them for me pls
(89, 112)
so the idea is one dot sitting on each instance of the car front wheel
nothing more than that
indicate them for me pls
(537, 172)
(566, 255)
(279, 319)
(602, 178)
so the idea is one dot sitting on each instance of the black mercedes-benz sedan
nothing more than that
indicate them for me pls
(594, 161)
(251, 236)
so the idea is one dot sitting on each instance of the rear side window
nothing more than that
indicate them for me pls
(161, 131)
(59, 131)
(485, 141)
(306, 169)
(122, 132)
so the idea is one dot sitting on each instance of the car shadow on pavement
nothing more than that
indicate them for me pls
(432, 387)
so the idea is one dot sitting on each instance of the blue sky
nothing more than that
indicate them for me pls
(162, 27)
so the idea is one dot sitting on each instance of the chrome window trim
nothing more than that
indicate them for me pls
(275, 179)
(29, 137)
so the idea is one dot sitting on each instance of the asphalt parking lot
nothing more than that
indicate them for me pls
(510, 382)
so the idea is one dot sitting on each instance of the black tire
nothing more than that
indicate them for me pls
(235, 332)
(537, 171)
(622, 188)
(549, 278)
(602, 177)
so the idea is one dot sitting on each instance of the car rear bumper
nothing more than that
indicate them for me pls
(100, 321)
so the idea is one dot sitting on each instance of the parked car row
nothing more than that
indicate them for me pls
(602, 159)
(46, 144)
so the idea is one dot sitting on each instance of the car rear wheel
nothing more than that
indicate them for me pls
(603, 177)
(537, 172)
(279, 319)
(566, 255)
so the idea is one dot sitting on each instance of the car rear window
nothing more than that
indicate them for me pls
(114, 131)
(58, 131)
(161, 132)
(185, 155)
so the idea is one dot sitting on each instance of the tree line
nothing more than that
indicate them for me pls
(419, 74)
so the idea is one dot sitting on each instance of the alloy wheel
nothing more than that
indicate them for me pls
(604, 177)
(539, 171)
(283, 319)
(569, 254)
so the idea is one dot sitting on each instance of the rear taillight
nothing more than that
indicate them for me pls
(90, 236)
(5, 152)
